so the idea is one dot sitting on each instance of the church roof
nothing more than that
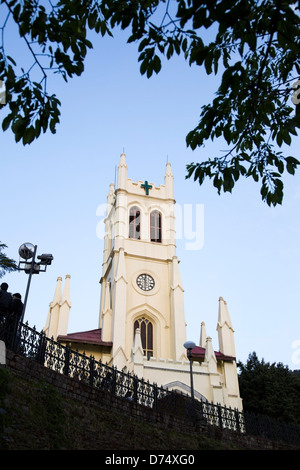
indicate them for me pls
(95, 337)
(87, 337)
(199, 352)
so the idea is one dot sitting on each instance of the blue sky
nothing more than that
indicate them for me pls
(51, 191)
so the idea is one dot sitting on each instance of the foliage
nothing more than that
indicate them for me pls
(297, 373)
(53, 408)
(254, 43)
(7, 265)
(270, 390)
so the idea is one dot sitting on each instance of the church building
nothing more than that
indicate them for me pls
(142, 323)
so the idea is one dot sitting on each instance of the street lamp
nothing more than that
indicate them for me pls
(27, 251)
(189, 345)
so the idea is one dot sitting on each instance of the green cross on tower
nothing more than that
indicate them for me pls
(146, 186)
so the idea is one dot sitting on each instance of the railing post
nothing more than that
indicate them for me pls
(92, 371)
(155, 394)
(67, 360)
(113, 380)
(237, 420)
(220, 416)
(201, 409)
(135, 388)
(41, 348)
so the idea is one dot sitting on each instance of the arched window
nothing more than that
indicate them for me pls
(146, 329)
(155, 226)
(134, 223)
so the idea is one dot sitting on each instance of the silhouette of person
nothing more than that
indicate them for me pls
(5, 300)
(17, 306)
(13, 320)
(5, 311)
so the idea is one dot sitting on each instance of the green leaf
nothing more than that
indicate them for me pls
(143, 67)
(156, 64)
(6, 122)
(170, 51)
(29, 135)
(11, 60)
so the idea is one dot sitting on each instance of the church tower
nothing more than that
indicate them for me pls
(142, 293)
(141, 326)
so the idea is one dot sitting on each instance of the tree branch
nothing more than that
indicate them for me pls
(23, 35)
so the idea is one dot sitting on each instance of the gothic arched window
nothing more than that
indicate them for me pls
(134, 223)
(146, 329)
(155, 226)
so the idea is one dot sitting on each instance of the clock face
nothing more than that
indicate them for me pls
(145, 282)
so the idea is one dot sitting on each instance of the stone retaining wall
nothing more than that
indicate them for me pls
(94, 419)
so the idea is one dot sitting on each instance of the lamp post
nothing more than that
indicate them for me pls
(27, 251)
(189, 345)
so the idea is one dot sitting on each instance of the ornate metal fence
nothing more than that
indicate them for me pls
(216, 415)
(26, 341)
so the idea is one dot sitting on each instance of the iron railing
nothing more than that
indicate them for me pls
(32, 344)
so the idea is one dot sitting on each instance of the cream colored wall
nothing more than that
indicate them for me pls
(155, 304)
(208, 384)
